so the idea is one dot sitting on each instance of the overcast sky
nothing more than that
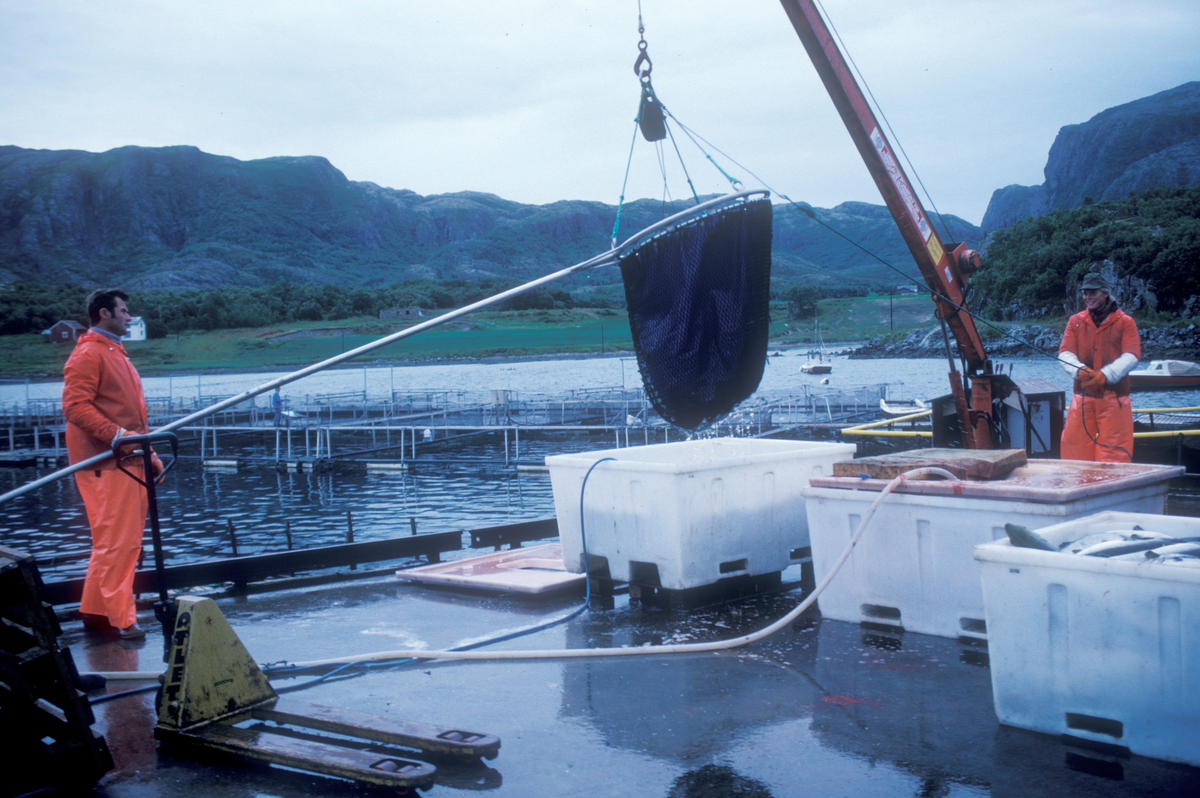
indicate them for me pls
(535, 100)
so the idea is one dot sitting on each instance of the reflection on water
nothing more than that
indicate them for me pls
(948, 741)
(196, 506)
(717, 781)
(685, 708)
(127, 725)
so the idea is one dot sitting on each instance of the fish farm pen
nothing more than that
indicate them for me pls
(508, 428)
(499, 427)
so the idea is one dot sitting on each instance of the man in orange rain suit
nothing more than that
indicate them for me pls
(103, 401)
(1099, 347)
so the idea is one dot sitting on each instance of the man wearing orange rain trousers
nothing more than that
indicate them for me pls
(103, 401)
(1099, 347)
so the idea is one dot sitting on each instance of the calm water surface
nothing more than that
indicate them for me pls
(197, 506)
(906, 378)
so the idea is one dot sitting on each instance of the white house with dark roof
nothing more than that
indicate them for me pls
(136, 331)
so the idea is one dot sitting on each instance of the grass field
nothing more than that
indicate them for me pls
(514, 334)
(484, 334)
(854, 319)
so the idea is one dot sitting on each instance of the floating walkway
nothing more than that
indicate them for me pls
(394, 433)
(390, 433)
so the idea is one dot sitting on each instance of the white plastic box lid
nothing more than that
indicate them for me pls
(1047, 481)
(711, 453)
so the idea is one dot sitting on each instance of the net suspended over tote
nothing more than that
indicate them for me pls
(698, 311)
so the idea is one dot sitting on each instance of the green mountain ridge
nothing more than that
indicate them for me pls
(175, 218)
(172, 218)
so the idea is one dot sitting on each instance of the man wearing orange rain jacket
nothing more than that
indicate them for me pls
(1099, 348)
(103, 401)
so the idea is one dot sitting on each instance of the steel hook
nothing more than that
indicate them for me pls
(642, 56)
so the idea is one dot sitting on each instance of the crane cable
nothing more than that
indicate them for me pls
(652, 122)
(891, 133)
(648, 91)
(810, 212)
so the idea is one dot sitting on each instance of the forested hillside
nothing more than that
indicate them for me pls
(1147, 245)
(29, 307)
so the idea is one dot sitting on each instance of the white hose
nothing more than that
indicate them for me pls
(642, 651)
(126, 676)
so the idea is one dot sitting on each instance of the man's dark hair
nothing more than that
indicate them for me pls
(106, 299)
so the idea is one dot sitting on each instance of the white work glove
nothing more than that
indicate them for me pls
(1115, 371)
(1070, 363)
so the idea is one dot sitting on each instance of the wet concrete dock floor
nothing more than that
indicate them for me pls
(825, 708)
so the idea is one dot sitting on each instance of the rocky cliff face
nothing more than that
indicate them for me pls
(1151, 142)
(176, 217)
(1157, 343)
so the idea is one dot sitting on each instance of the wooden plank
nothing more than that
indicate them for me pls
(963, 463)
(514, 534)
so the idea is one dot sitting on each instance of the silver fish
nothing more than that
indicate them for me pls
(1113, 548)
(1186, 560)
(1135, 556)
(1025, 538)
(1076, 546)
(1187, 547)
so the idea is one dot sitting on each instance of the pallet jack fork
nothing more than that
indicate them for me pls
(212, 685)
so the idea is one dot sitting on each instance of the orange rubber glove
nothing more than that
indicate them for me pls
(1093, 382)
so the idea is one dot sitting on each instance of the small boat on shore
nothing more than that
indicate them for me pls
(818, 366)
(902, 407)
(1165, 374)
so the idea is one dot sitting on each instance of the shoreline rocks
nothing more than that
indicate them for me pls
(1158, 343)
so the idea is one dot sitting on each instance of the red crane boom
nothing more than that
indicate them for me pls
(946, 273)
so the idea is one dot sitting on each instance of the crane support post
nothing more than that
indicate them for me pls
(941, 269)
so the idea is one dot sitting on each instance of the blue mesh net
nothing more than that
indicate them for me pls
(698, 311)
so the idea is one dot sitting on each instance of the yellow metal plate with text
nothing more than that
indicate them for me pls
(935, 251)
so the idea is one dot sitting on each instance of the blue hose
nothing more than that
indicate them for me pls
(358, 668)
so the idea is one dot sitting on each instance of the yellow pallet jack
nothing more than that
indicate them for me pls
(215, 698)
